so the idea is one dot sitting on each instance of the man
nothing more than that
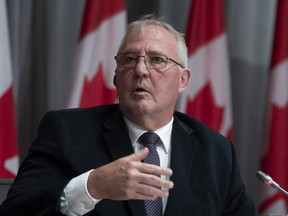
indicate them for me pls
(93, 161)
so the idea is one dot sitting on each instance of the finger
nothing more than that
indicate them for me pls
(151, 192)
(154, 169)
(156, 181)
(138, 156)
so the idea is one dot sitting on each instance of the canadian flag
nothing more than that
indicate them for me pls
(8, 138)
(103, 26)
(275, 159)
(208, 95)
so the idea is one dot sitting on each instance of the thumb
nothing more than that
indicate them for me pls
(138, 156)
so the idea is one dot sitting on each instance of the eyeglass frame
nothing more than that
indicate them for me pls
(144, 56)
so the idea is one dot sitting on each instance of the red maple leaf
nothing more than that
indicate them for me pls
(203, 107)
(95, 92)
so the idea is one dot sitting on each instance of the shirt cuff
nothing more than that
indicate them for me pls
(75, 199)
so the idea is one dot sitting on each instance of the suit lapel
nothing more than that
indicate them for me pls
(117, 137)
(184, 146)
(119, 145)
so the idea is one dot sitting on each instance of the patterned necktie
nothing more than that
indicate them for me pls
(149, 140)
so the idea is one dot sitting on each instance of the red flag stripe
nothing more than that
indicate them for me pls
(8, 139)
(274, 161)
(7, 126)
(8, 135)
(203, 14)
(92, 18)
(281, 34)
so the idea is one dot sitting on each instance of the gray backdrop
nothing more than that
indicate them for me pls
(44, 35)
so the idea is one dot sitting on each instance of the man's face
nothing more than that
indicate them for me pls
(145, 91)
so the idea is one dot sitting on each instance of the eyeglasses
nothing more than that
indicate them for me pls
(152, 61)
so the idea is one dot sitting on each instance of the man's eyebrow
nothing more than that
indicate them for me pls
(149, 52)
(153, 52)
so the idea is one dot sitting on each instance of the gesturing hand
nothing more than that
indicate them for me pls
(129, 178)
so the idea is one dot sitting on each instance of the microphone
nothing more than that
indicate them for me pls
(266, 179)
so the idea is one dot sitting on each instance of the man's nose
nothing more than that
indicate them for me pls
(140, 67)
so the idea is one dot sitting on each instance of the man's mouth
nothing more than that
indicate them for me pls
(139, 90)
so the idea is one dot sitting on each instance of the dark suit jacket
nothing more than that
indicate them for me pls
(205, 171)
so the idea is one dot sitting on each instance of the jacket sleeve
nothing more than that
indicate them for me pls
(237, 200)
(42, 175)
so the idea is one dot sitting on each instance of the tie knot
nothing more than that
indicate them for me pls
(149, 138)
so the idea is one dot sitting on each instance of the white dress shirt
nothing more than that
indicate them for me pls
(76, 200)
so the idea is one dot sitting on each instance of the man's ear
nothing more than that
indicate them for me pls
(184, 79)
(114, 80)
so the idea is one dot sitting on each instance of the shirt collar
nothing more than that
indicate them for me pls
(164, 133)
